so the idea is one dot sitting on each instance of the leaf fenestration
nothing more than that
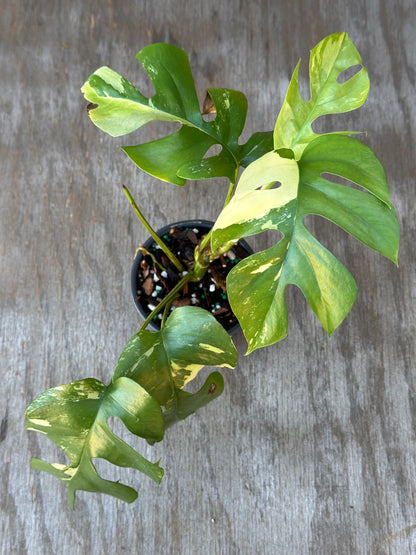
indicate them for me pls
(121, 109)
(331, 57)
(256, 286)
(74, 416)
(152, 371)
(164, 362)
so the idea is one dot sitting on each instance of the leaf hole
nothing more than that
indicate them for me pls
(209, 117)
(209, 111)
(112, 472)
(195, 385)
(332, 123)
(265, 239)
(303, 80)
(268, 186)
(348, 73)
(213, 150)
(120, 430)
(50, 452)
(333, 178)
(275, 185)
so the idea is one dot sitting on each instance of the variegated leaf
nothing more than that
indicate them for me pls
(74, 416)
(256, 205)
(328, 60)
(118, 108)
(164, 362)
(256, 286)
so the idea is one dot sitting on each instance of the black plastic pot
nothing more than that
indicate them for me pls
(203, 226)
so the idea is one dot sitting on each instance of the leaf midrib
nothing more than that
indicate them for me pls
(170, 376)
(83, 455)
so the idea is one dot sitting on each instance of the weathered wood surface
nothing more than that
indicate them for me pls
(311, 448)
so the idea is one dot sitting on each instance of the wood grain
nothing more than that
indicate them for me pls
(311, 448)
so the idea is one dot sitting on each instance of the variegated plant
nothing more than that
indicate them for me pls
(283, 183)
(151, 373)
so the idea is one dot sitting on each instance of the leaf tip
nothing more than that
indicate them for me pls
(160, 474)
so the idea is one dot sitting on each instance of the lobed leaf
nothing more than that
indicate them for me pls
(368, 216)
(152, 371)
(332, 56)
(74, 417)
(188, 403)
(118, 108)
(164, 362)
(256, 286)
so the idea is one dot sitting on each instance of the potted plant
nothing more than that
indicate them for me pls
(287, 176)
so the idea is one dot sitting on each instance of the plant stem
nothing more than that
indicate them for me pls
(164, 303)
(221, 250)
(230, 190)
(229, 196)
(164, 316)
(145, 252)
(152, 232)
(169, 298)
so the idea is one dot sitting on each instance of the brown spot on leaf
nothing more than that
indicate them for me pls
(212, 388)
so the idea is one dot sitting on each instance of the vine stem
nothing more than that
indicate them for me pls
(168, 299)
(164, 316)
(152, 232)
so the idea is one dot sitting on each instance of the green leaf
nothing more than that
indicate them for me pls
(119, 108)
(164, 362)
(74, 417)
(368, 216)
(258, 144)
(165, 157)
(256, 286)
(333, 55)
(188, 403)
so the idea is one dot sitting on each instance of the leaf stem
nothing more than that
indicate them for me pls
(231, 188)
(221, 250)
(168, 299)
(229, 196)
(152, 232)
(145, 252)
(164, 316)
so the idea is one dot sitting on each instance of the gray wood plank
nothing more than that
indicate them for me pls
(311, 448)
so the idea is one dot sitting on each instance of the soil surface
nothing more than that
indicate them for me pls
(157, 276)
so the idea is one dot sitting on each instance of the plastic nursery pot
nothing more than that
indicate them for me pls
(151, 282)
